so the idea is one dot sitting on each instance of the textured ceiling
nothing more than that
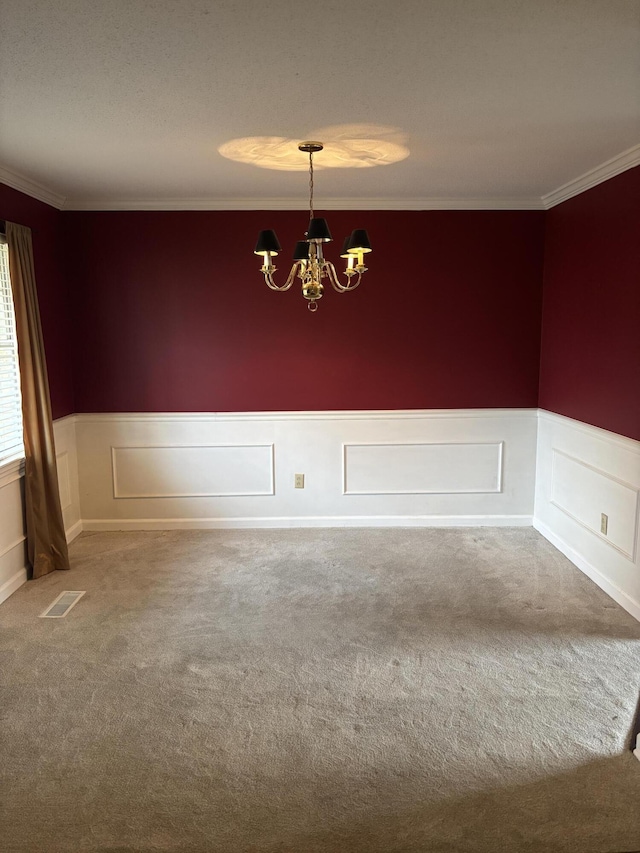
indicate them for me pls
(129, 100)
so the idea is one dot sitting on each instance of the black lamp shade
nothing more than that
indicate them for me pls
(345, 248)
(267, 242)
(359, 241)
(319, 231)
(301, 251)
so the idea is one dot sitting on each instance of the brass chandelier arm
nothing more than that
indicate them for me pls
(268, 277)
(335, 281)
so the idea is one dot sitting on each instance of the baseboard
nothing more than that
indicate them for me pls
(14, 583)
(622, 598)
(74, 531)
(20, 577)
(307, 521)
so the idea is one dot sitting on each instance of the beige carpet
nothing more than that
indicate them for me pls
(374, 691)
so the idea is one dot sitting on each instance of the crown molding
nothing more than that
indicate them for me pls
(300, 204)
(615, 166)
(31, 188)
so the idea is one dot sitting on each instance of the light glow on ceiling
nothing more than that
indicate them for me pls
(346, 146)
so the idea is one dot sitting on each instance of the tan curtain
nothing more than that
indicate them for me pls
(46, 541)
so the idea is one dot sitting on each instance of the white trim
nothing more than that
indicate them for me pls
(615, 166)
(14, 583)
(496, 491)
(73, 532)
(32, 188)
(308, 521)
(628, 555)
(71, 417)
(114, 471)
(622, 598)
(13, 545)
(631, 444)
(298, 203)
(357, 415)
(11, 471)
(59, 458)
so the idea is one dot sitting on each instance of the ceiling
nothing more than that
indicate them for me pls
(497, 103)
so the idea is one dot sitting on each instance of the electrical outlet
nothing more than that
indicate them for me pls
(299, 481)
(604, 523)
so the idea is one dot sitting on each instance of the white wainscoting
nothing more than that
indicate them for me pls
(193, 471)
(413, 468)
(394, 468)
(582, 472)
(13, 556)
(64, 433)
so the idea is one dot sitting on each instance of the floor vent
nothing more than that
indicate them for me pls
(62, 605)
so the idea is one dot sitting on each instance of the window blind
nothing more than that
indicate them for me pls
(11, 446)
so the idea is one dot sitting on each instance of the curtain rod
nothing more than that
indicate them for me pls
(3, 228)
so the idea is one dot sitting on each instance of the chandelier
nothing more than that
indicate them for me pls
(309, 264)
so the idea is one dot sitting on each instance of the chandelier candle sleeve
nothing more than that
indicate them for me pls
(358, 244)
(309, 265)
(349, 256)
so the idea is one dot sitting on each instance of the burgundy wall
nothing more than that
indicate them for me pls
(590, 365)
(53, 296)
(172, 313)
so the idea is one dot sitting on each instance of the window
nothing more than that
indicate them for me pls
(11, 446)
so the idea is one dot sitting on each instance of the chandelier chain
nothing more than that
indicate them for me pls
(310, 185)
